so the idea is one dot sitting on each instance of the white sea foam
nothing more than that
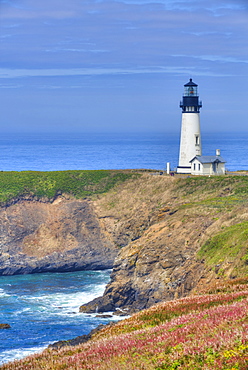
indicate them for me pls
(19, 312)
(3, 293)
(19, 353)
(64, 303)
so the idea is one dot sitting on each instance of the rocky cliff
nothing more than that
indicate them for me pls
(158, 233)
(165, 222)
(63, 235)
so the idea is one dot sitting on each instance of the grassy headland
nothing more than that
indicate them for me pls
(127, 194)
(79, 184)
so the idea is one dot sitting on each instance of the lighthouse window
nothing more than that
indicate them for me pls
(196, 140)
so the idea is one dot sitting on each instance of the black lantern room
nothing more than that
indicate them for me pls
(190, 103)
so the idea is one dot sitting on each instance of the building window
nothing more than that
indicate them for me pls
(199, 167)
(194, 166)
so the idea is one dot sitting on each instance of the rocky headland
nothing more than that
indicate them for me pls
(154, 231)
(165, 226)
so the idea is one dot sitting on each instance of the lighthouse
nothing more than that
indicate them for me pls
(190, 142)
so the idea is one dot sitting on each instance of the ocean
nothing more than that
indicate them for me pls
(43, 308)
(51, 152)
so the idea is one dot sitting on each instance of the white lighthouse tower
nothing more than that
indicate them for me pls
(190, 142)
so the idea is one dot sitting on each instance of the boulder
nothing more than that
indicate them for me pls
(5, 326)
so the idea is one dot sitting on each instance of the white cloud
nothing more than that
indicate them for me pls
(10, 86)
(27, 9)
(5, 36)
(16, 25)
(56, 50)
(214, 58)
(191, 5)
(222, 59)
(181, 70)
(208, 33)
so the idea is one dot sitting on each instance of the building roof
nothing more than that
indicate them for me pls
(209, 159)
(190, 83)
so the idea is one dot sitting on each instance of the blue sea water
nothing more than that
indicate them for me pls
(50, 152)
(43, 308)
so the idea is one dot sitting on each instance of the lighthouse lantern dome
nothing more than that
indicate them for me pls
(190, 102)
(190, 88)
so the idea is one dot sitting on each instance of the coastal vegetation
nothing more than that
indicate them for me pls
(220, 202)
(206, 331)
(180, 237)
(39, 184)
(230, 245)
(225, 199)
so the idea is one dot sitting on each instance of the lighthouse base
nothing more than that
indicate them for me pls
(184, 169)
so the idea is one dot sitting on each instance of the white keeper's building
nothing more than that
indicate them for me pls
(208, 165)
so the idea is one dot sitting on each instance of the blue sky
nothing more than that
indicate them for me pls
(120, 65)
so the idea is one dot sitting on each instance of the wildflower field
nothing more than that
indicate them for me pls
(204, 331)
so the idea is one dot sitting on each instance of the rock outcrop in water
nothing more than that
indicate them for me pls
(5, 326)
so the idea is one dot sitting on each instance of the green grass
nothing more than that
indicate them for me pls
(216, 203)
(198, 185)
(79, 184)
(195, 184)
(216, 194)
(231, 244)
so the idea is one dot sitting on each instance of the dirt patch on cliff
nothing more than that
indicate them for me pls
(57, 232)
(128, 210)
(60, 236)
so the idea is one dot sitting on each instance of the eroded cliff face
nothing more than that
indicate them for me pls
(64, 235)
(148, 229)
(163, 229)
(160, 266)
